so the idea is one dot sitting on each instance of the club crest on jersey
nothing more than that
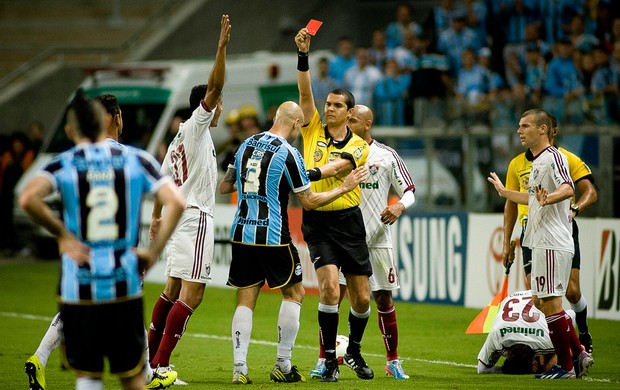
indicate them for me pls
(318, 155)
(357, 153)
(373, 169)
(525, 182)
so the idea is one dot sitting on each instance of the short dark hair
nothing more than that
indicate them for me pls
(519, 360)
(542, 117)
(348, 97)
(195, 97)
(83, 113)
(110, 103)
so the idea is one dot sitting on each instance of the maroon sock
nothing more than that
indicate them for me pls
(559, 329)
(158, 322)
(175, 327)
(389, 330)
(321, 347)
(575, 344)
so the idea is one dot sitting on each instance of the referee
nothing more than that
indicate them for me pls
(335, 232)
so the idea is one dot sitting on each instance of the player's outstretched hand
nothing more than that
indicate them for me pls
(541, 195)
(302, 39)
(497, 183)
(70, 245)
(354, 178)
(225, 31)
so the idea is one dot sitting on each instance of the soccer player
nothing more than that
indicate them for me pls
(335, 232)
(387, 170)
(265, 169)
(548, 233)
(35, 365)
(520, 333)
(101, 186)
(517, 179)
(191, 162)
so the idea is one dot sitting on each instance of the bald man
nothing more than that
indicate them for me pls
(264, 170)
(388, 170)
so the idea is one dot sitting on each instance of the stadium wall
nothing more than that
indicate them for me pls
(454, 258)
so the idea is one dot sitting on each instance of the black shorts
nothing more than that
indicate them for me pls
(112, 330)
(339, 238)
(251, 265)
(527, 252)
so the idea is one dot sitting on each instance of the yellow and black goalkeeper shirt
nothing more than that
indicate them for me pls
(320, 149)
(518, 175)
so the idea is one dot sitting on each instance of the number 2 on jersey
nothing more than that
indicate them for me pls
(103, 203)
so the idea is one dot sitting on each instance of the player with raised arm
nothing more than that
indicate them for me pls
(191, 162)
(335, 232)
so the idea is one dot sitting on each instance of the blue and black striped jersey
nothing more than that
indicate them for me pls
(268, 168)
(102, 186)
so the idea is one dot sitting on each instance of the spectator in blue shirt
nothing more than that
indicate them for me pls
(390, 95)
(453, 41)
(534, 75)
(395, 31)
(563, 88)
(605, 82)
(379, 52)
(472, 88)
(342, 61)
(322, 84)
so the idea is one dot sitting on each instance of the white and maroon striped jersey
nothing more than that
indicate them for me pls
(190, 160)
(517, 321)
(550, 226)
(385, 168)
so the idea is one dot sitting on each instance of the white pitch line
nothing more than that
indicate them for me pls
(26, 316)
(298, 346)
(271, 343)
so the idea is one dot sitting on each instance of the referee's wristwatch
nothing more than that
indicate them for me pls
(575, 207)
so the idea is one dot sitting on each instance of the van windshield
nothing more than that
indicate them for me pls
(139, 121)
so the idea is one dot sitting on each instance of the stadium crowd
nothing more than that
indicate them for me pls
(484, 62)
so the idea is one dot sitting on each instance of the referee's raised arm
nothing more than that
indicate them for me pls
(304, 83)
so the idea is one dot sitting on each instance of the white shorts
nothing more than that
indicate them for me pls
(550, 272)
(190, 249)
(384, 271)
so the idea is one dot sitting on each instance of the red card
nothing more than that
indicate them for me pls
(313, 26)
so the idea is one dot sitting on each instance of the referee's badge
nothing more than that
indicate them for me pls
(318, 155)
(298, 269)
(357, 153)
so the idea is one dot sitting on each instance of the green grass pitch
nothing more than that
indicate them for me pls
(437, 354)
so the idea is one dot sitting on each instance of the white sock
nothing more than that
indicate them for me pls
(147, 371)
(288, 326)
(580, 305)
(51, 340)
(88, 383)
(241, 332)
